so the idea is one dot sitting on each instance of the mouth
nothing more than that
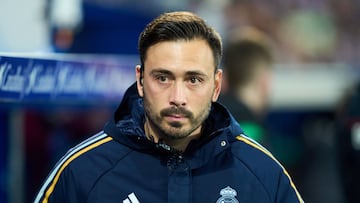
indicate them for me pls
(175, 117)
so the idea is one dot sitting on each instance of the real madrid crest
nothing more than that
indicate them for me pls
(227, 196)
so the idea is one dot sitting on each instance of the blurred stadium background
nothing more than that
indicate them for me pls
(64, 65)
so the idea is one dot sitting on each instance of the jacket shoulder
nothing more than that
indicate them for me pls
(80, 168)
(268, 170)
(253, 153)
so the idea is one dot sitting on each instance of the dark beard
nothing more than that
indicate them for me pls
(173, 130)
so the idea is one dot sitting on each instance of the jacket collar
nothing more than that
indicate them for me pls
(127, 127)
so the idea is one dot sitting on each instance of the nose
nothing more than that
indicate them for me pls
(178, 94)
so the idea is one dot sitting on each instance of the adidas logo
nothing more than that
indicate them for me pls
(131, 199)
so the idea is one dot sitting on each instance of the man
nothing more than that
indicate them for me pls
(248, 72)
(169, 140)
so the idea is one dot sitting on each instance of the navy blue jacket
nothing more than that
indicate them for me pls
(120, 164)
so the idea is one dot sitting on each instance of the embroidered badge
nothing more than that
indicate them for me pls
(227, 196)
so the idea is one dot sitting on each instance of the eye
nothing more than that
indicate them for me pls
(162, 78)
(195, 80)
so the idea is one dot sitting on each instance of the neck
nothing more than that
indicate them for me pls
(179, 144)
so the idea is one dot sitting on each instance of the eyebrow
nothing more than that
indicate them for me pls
(167, 72)
(162, 71)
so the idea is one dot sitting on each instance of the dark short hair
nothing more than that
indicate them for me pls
(241, 57)
(180, 25)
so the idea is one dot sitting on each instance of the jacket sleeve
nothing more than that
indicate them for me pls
(59, 187)
(286, 190)
(71, 179)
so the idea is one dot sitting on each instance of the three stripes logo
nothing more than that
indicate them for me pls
(131, 199)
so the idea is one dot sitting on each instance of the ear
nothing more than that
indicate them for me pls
(139, 80)
(218, 82)
(265, 82)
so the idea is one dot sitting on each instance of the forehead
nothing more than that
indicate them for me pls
(192, 54)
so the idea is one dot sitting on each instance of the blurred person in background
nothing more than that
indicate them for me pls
(248, 68)
(348, 143)
(169, 140)
(248, 64)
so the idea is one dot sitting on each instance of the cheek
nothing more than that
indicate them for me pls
(202, 97)
(154, 95)
(153, 91)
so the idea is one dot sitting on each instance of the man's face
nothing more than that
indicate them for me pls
(178, 87)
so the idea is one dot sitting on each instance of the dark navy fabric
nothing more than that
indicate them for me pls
(220, 166)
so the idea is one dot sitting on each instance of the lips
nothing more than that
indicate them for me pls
(175, 117)
(176, 113)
